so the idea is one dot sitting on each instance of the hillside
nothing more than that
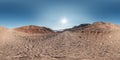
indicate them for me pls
(32, 29)
(97, 41)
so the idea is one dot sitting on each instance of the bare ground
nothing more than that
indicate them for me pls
(68, 45)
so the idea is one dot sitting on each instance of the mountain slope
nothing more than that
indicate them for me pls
(34, 29)
(97, 41)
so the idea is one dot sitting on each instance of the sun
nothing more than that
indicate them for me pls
(64, 21)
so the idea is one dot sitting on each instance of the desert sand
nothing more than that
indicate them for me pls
(97, 41)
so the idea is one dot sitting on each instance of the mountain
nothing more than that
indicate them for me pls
(95, 27)
(97, 41)
(34, 29)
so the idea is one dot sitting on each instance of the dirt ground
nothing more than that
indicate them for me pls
(91, 44)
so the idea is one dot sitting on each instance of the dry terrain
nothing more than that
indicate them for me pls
(97, 41)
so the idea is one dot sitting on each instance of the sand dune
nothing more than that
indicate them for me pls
(97, 41)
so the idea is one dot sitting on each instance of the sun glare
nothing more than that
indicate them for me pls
(64, 21)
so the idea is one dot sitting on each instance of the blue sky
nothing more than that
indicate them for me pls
(49, 13)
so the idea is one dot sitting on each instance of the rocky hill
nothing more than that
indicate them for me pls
(78, 43)
(95, 27)
(100, 25)
(32, 29)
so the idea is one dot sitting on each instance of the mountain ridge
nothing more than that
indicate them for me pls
(40, 29)
(78, 43)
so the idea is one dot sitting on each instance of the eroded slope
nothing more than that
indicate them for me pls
(99, 41)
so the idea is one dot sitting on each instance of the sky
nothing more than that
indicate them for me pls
(57, 14)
